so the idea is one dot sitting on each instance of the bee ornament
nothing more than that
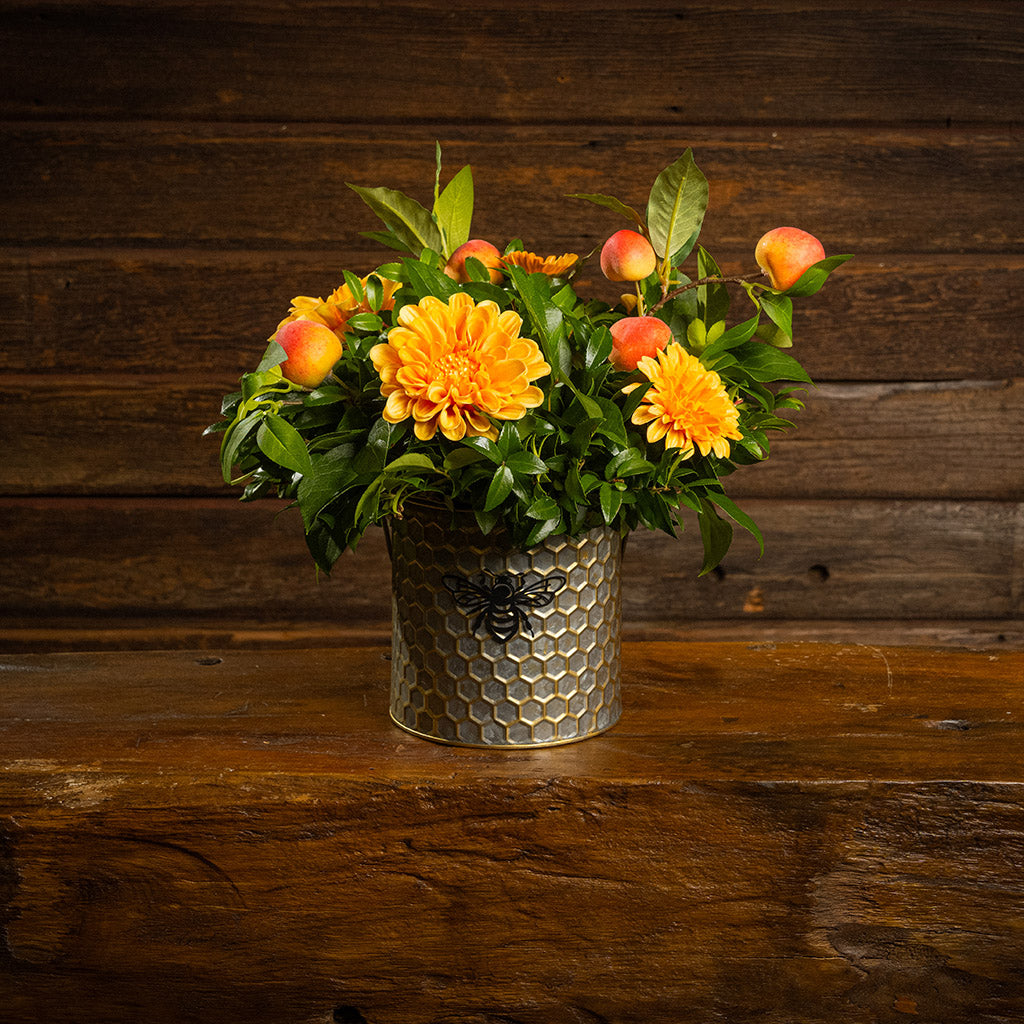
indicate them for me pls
(502, 603)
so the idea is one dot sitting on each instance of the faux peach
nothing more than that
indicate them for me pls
(785, 253)
(627, 256)
(483, 251)
(634, 337)
(312, 350)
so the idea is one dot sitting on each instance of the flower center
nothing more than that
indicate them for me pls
(456, 367)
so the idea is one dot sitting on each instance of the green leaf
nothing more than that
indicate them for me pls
(526, 464)
(676, 207)
(462, 457)
(599, 347)
(427, 280)
(486, 520)
(274, 356)
(712, 299)
(731, 509)
(765, 364)
(611, 502)
(780, 310)
(812, 279)
(543, 507)
(535, 291)
(499, 489)
(453, 209)
(388, 238)
(355, 286)
(411, 460)
(330, 474)
(542, 530)
(283, 444)
(716, 535)
(232, 441)
(374, 293)
(364, 322)
(611, 203)
(738, 335)
(405, 218)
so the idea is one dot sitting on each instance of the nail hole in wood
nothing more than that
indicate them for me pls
(819, 572)
(347, 1015)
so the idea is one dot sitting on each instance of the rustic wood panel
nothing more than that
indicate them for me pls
(906, 317)
(872, 191)
(37, 634)
(878, 440)
(539, 62)
(241, 839)
(826, 560)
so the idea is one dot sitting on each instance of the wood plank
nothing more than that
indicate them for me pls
(81, 435)
(953, 62)
(813, 832)
(153, 312)
(824, 560)
(869, 191)
(80, 633)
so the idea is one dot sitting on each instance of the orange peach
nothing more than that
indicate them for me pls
(785, 253)
(627, 256)
(312, 350)
(483, 251)
(634, 337)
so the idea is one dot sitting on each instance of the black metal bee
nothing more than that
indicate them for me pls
(502, 605)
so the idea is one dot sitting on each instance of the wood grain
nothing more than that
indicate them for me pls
(855, 559)
(853, 440)
(535, 62)
(905, 317)
(38, 634)
(285, 186)
(786, 833)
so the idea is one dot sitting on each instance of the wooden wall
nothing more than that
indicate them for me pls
(173, 172)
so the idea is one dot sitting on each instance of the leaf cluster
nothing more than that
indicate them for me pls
(576, 461)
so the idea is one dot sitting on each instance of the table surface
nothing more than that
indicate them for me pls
(788, 833)
(729, 711)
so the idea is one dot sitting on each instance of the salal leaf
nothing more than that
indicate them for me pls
(283, 444)
(405, 218)
(274, 356)
(499, 489)
(814, 277)
(232, 441)
(453, 210)
(411, 460)
(611, 203)
(765, 364)
(716, 535)
(676, 207)
(731, 509)
(780, 311)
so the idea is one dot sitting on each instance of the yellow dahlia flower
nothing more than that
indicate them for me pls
(553, 266)
(340, 305)
(457, 365)
(686, 405)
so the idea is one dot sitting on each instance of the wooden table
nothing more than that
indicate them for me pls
(773, 833)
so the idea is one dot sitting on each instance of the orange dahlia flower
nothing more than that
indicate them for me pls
(553, 266)
(340, 305)
(457, 365)
(687, 404)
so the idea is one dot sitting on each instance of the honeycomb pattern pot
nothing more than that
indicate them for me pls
(494, 647)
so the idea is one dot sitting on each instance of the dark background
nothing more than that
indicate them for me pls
(174, 172)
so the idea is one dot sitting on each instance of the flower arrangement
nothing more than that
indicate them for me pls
(470, 378)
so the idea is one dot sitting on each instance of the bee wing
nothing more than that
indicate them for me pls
(470, 597)
(541, 593)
